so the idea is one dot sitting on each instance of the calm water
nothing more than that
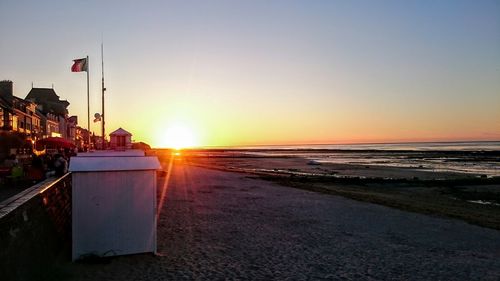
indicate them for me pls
(414, 146)
(464, 157)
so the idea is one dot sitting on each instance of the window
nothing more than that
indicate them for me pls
(13, 121)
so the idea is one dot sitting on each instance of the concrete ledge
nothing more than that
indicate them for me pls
(35, 229)
(10, 204)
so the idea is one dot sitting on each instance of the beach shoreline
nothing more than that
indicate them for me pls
(469, 197)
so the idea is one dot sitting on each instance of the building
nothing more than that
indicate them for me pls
(55, 113)
(71, 124)
(18, 115)
(28, 121)
(82, 139)
(5, 115)
(120, 139)
(49, 124)
(19, 122)
(6, 96)
(40, 115)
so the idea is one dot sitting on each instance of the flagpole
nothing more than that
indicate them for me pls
(88, 101)
(103, 89)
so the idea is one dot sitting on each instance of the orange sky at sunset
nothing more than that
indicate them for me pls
(230, 73)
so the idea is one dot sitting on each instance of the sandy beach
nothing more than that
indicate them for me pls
(467, 196)
(218, 225)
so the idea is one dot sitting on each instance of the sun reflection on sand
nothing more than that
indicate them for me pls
(165, 187)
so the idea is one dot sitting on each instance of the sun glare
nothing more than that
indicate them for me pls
(178, 137)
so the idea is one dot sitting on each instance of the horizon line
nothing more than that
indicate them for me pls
(320, 144)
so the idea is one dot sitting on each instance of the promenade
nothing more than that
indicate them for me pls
(219, 225)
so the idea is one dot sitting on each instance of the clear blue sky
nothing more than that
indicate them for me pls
(249, 72)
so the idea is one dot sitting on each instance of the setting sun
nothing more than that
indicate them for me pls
(178, 136)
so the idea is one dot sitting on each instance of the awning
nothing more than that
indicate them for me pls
(54, 142)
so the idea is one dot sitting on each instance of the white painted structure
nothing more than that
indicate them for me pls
(112, 153)
(114, 205)
(120, 139)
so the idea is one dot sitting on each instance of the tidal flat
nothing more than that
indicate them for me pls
(472, 197)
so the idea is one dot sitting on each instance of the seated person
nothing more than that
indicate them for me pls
(60, 165)
(11, 161)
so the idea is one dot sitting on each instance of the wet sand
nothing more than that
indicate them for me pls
(221, 225)
(297, 165)
(469, 197)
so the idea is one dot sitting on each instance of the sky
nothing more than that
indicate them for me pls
(266, 72)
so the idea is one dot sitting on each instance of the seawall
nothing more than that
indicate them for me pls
(35, 229)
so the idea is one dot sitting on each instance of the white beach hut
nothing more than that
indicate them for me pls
(112, 153)
(120, 139)
(113, 205)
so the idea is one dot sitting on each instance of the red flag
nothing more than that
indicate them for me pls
(79, 65)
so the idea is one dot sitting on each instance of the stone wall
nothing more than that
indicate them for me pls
(35, 231)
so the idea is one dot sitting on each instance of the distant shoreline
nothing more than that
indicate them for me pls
(276, 146)
(369, 147)
(314, 150)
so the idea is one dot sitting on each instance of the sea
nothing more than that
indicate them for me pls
(481, 158)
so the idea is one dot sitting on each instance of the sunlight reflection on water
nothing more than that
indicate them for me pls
(471, 157)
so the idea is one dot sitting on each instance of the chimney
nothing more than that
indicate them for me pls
(7, 90)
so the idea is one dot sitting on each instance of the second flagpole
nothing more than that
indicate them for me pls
(88, 102)
(103, 89)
